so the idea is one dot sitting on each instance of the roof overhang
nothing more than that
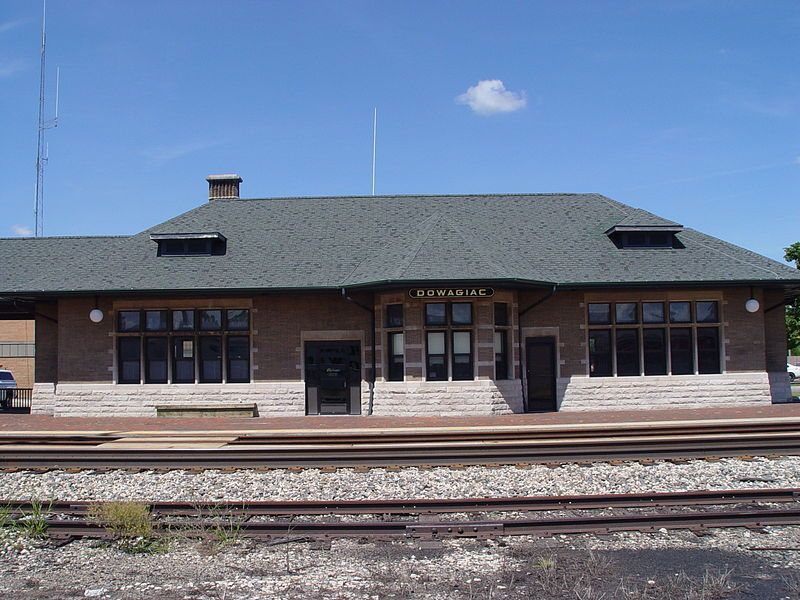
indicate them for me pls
(211, 235)
(664, 228)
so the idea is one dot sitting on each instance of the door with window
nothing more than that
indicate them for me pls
(540, 374)
(333, 378)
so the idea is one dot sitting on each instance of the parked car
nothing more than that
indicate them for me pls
(794, 372)
(7, 386)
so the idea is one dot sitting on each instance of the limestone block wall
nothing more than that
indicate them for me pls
(463, 398)
(690, 391)
(98, 400)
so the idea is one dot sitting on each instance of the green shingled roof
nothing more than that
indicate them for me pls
(315, 243)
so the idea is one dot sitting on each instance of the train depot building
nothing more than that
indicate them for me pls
(402, 305)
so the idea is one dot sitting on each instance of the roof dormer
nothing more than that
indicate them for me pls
(190, 244)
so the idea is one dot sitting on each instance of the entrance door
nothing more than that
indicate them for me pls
(333, 378)
(541, 373)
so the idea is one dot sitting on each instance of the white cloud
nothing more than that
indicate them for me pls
(9, 25)
(11, 67)
(490, 97)
(22, 230)
(161, 155)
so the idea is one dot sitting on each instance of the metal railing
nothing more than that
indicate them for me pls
(17, 400)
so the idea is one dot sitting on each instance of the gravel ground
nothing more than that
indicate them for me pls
(725, 564)
(632, 566)
(343, 484)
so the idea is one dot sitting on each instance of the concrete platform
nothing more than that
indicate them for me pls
(39, 425)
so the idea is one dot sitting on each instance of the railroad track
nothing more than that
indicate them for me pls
(446, 447)
(435, 528)
(432, 506)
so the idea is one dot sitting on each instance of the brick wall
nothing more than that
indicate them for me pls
(46, 325)
(754, 344)
(21, 367)
(280, 320)
(85, 349)
(775, 330)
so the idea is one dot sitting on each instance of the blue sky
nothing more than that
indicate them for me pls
(690, 109)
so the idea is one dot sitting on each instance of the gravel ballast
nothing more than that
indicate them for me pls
(343, 484)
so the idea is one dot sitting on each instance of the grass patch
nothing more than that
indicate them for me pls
(131, 524)
(33, 524)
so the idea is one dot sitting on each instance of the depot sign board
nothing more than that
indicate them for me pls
(483, 292)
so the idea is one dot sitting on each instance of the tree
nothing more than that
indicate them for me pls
(793, 309)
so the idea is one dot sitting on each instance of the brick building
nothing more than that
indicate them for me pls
(17, 350)
(400, 305)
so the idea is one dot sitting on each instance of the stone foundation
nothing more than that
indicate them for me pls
(462, 398)
(284, 399)
(691, 391)
(423, 398)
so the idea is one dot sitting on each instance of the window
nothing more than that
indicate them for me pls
(182, 320)
(190, 244)
(210, 320)
(600, 353)
(129, 320)
(681, 351)
(436, 356)
(500, 354)
(679, 337)
(646, 239)
(707, 312)
(396, 364)
(680, 312)
(462, 355)
(129, 359)
(627, 352)
(155, 352)
(599, 314)
(626, 313)
(461, 313)
(435, 313)
(654, 342)
(460, 365)
(177, 347)
(182, 360)
(238, 359)
(155, 320)
(238, 319)
(708, 350)
(17, 349)
(210, 359)
(501, 314)
(394, 315)
(653, 312)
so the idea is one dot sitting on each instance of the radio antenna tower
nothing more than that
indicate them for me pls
(43, 126)
(374, 143)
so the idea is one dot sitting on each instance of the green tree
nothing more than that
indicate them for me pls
(793, 309)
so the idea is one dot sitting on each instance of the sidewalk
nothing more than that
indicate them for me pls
(38, 423)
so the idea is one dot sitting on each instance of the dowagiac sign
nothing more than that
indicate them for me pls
(483, 292)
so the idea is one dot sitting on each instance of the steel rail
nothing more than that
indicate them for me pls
(245, 437)
(235, 457)
(262, 437)
(446, 529)
(430, 506)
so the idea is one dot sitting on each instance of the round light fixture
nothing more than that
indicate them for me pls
(752, 305)
(96, 315)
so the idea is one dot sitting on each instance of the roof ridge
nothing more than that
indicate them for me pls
(697, 238)
(378, 197)
(431, 222)
(482, 251)
(65, 237)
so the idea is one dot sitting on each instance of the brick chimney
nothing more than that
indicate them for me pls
(223, 186)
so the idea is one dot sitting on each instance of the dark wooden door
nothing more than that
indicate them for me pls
(540, 373)
(333, 378)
